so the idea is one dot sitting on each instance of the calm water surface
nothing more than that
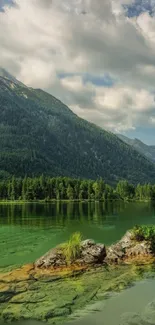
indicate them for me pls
(28, 231)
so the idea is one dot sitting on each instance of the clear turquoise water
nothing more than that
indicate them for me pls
(28, 231)
(121, 305)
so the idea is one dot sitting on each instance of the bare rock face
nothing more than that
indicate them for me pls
(53, 258)
(142, 248)
(127, 248)
(90, 253)
(117, 252)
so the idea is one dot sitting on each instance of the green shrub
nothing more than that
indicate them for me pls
(147, 233)
(144, 233)
(71, 249)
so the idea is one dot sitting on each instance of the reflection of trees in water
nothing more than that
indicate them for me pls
(63, 213)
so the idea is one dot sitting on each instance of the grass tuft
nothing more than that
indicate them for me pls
(72, 248)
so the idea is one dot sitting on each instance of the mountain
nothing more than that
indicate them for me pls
(144, 149)
(41, 135)
(7, 75)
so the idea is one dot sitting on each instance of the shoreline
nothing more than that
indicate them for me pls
(73, 201)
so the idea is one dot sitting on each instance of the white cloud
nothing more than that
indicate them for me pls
(40, 39)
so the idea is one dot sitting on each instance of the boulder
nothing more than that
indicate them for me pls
(127, 240)
(148, 314)
(131, 319)
(127, 248)
(53, 258)
(90, 253)
(115, 253)
(142, 248)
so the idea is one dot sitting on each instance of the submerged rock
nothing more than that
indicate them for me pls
(148, 315)
(131, 319)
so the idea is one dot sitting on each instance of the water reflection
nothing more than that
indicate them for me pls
(37, 214)
(29, 230)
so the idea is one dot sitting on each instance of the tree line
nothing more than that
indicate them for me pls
(64, 188)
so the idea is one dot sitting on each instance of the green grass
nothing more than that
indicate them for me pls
(72, 248)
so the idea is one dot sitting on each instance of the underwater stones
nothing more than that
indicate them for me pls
(131, 319)
(148, 315)
(6, 296)
(60, 300)
(58, 312)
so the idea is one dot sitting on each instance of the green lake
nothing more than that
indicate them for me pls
(29, 230)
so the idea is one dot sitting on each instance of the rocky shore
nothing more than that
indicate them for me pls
(52, 289)
(91, 254)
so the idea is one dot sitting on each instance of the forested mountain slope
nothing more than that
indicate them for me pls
(41, 135)
(146, 150)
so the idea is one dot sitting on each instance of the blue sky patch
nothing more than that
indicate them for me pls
(100, 81)
(103, 81)
(140, 6)
(3, 3)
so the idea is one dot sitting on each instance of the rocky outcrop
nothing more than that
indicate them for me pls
(127, 248)
(90, 254)
(54, 258)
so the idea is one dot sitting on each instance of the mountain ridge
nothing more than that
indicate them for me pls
(41, 135)
(147, 150)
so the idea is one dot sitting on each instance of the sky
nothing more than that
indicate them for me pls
(97, 56)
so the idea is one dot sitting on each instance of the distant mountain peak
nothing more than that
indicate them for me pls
(5, 74)
(143, 148)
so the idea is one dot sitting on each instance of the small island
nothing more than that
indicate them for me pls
(73, 274)
(137, 245)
